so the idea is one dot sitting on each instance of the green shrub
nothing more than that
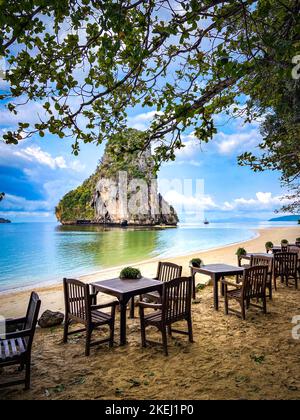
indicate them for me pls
(196, 262)
(284, 242)
(240, 252)
(130, 273)
(269, 245)
(297, 239)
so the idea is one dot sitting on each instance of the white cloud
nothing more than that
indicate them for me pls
(190, 203)
(262, 201)
(20, 155)
(142, 121)
(34, 153)
(184, 162)
(16, 203)
(29, 114)
(237, 142)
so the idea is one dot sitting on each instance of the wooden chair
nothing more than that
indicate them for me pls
(252, 287)
(175, 306)
(15, 349)
(284, 247)
(81, 308)
(165, 272)
(268, 262)
(286, 267)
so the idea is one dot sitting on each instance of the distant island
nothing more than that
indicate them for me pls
(94, 202)
(291, 218)
(4, 220)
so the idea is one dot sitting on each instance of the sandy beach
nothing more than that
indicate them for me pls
(230, 359)
(13, 304)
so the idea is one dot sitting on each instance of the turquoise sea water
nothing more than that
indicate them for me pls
(34, 253)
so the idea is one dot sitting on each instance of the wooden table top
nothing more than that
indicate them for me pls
(120, 286)
(219, 269)
(257, 254)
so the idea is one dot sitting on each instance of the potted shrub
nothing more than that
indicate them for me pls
(240, 252)
(297, 240)
(284, 242)
(269, 246)
(130, 273)
(196, 262)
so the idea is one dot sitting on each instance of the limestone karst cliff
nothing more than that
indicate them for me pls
(121, 191)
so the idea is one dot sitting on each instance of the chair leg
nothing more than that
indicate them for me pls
(194, 286)
(248, 303)
(264, 305)
(143, 329)
(190, 328)
(170, 330)
(275, 283)
(165, 340)
(66, 330)
(243, 310)
(27, 375)
(112, 334)
(88, 341)
(226, 301)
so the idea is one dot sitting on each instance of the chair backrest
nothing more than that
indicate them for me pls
(285, 263)
(177, 299)
(284, 247)
(295, 250)
(262, 260)
(297, 243)
(32, 317)
(77, 298)
(254, 282)
(168, 271)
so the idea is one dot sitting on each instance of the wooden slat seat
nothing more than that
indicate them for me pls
(286, 267)
(81, 307)
(11, 349)
(15, 347)
(234, 293)
(154, 316)
(267, 262)
(165, 272)
(100, 317)
(253, 287)
(175, 307)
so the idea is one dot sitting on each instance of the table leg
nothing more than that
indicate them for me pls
(223, 287)
(123, 325)
(216, 291)
(132, 308)
(193, 275)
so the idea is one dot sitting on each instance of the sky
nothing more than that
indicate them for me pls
(37, 173)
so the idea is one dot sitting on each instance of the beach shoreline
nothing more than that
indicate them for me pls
(52, 283)
(14, 303)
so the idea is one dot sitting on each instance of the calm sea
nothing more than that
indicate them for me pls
(34, 253)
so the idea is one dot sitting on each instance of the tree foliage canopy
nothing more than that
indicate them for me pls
(87, 62)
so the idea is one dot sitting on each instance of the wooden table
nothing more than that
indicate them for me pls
(216, 273)
(124, 290)
(256, 254)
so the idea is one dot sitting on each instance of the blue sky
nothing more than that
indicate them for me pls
(39, 171)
